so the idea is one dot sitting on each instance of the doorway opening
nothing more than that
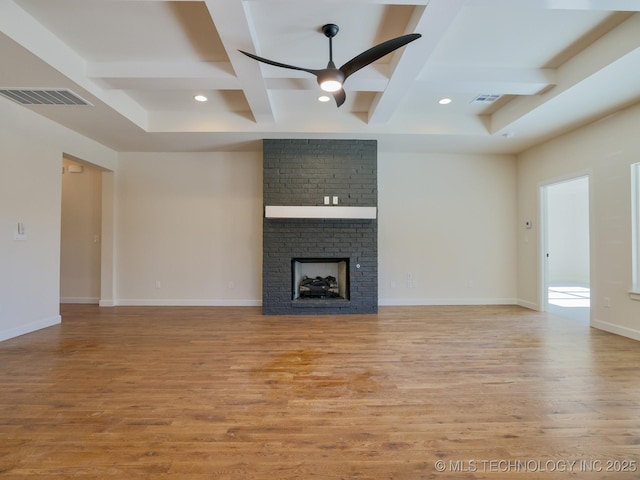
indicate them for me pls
(565, 250)
(80, 232)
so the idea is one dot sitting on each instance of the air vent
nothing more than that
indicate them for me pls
(25, 96)
(486, 98)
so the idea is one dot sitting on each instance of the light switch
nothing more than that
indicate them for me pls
(20, 235)
(335, 200)
(326, 200)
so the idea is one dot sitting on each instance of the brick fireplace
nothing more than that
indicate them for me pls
(305, 173)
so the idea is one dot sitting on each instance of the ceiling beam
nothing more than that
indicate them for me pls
(430, 21)
(598, 5)
(143, 69)
(164, 75)
(492, 80)
(235, 28)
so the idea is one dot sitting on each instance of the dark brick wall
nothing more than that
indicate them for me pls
(302, 172)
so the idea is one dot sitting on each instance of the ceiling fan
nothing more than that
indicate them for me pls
(331, 78)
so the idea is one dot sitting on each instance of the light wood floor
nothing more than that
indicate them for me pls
(411, 393)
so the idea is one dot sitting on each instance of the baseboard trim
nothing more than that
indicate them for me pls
(445, 301)
(82, 300)
(529, 305)
(30, 327)
(145, 302)
(617, 329)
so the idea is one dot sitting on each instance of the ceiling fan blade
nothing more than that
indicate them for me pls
(340, 96)
(374, 53)
(278, 64)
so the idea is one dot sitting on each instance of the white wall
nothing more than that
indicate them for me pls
(31, 150)
(449, 222)
(193, 222)
(604, 150)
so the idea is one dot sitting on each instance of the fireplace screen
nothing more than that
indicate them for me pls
(320, 278)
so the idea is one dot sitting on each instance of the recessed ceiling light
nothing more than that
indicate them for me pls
(200, 98)
(323, 98)
(444, 101)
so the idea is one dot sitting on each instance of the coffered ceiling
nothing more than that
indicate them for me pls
(517, 71)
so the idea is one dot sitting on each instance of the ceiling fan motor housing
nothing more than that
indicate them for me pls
(330, 76)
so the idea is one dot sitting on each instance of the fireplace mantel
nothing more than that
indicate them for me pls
(320, 211)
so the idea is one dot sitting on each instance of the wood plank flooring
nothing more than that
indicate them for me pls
(491, 392)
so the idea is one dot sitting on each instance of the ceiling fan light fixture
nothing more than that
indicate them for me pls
(330, 80)
(331, 85)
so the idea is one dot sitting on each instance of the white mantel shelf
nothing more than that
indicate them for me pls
(321, 211)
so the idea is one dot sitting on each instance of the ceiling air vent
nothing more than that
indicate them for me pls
(48, 96)
(486, 98)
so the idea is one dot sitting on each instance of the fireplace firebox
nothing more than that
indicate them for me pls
(319, 278)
